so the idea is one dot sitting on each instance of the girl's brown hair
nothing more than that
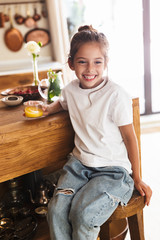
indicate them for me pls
(86, 34)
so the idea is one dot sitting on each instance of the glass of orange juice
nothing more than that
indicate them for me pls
(33, 109)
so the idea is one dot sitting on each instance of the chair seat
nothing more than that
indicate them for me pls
(135, 204)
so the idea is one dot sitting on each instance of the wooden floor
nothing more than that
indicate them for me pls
(150, 144)
(151, 172)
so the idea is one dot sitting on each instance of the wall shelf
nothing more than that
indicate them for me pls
(22, 2)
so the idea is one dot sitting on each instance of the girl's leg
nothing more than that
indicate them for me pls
(71, 180)
(95, 202)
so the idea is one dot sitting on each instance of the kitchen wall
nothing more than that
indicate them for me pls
(10, 59)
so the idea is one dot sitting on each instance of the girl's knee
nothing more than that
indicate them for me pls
(78, 217)
(54, 208)
(58, 207)
(51, 210)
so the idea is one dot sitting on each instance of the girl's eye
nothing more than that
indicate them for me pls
(82, 62)
(98, 62)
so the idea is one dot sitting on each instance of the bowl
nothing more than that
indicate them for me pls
(12, 100)
(41, 211)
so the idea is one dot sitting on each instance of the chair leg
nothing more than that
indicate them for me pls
(136, 226)
(104, 232)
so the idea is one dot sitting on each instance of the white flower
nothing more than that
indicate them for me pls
(32, 47)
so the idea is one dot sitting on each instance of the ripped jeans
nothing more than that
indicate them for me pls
(85, 198)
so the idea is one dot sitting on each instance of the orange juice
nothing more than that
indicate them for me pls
(33, 111)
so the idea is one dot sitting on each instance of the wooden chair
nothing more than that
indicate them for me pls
(134, 209)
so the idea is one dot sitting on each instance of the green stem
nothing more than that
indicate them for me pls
(35, 70)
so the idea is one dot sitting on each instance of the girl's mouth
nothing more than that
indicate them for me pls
(89, 77)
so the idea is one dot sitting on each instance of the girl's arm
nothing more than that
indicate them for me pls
(52, 108)
(130, 140)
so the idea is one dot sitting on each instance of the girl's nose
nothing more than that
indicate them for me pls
(90, 67)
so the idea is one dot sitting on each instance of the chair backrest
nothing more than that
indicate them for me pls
(136, 123)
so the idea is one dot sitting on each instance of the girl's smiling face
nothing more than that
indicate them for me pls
(89, 64)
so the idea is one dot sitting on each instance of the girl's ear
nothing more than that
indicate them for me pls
(106, 64)
(70, 63)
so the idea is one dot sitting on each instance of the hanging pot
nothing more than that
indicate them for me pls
(38, 35)
(36, 16)
(2, 20)
(29, 21)
(13, 38)
(44, 11)
(6, 16)
(18, 17)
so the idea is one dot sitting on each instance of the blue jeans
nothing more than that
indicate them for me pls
(85, 198)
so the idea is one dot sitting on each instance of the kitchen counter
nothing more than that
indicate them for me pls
(27, 145)
(18, 67)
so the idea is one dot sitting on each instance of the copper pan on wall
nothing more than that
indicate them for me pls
(13, 38)
(38, 35)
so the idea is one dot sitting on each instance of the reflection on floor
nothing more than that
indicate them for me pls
(150, 145)
(151, 171)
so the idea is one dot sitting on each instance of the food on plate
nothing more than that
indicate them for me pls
(23, 91)
(27, 92)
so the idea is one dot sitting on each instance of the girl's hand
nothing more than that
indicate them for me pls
(144, 190)
(46, 110)
(52, 108)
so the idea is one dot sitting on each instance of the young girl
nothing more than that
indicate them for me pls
(97, 176)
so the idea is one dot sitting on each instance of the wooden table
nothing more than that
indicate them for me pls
(27, 145)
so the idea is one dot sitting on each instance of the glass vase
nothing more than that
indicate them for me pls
(35, 71)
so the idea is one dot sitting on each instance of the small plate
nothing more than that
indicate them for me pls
(12, 100)
(27, 92)
(5, 92)
(33, 118)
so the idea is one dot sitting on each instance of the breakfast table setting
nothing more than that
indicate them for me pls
(30, 141)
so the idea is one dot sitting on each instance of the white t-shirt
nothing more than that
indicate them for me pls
(96, 115)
